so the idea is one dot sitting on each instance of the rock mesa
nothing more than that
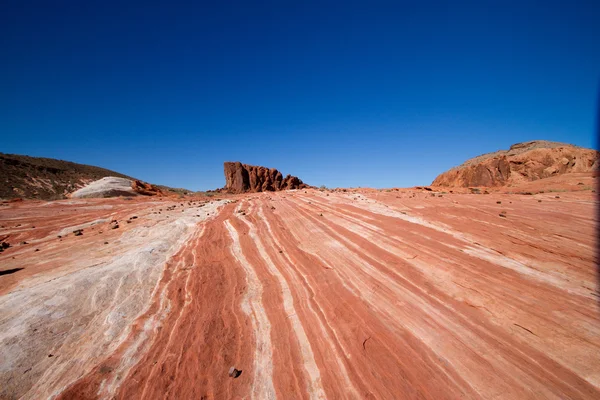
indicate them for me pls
(523, 162)
(241, 178)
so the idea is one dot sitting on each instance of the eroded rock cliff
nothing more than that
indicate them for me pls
(527, 161)
(241, 178)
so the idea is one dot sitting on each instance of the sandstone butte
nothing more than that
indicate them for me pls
(391, 294)
(242, 178)
(523, 162)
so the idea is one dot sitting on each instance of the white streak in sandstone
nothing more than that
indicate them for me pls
(315, 388)
(262, 383)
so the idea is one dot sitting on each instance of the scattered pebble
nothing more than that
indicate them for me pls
(234, 373)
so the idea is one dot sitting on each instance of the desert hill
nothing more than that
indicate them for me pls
(523, 162)
(45, 178)
(52, 179)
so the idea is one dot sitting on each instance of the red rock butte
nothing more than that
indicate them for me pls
(242, 178)
(422, 293)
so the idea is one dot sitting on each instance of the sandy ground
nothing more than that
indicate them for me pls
(311, 294)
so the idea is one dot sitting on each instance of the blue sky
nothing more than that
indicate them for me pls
(372, 94)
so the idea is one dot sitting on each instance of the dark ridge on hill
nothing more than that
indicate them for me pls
(45, 178)
(48, 178)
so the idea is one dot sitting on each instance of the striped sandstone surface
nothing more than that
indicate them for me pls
(311, 294)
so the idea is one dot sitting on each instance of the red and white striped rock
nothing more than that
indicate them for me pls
(311, 294)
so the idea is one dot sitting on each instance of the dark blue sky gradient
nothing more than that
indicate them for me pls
(346, 94)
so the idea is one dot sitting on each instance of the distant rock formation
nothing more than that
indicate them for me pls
(112, 186)
(241, 178)
(523, 162)
(146, 189)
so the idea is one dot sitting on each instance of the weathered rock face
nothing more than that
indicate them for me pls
(522, 162)
(241, 178)
(112, 186)
(146, 189)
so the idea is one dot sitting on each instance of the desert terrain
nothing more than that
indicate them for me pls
(398, 293)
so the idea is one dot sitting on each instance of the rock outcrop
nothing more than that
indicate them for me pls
(112, 186)
(523, 162)
(146, 189)
(242, 178)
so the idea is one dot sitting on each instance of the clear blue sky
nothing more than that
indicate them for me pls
(343, 94)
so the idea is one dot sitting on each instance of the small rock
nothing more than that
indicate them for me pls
(105, 242)
(116, 226)
(78, 232)
(498, 202)
(234, 373)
